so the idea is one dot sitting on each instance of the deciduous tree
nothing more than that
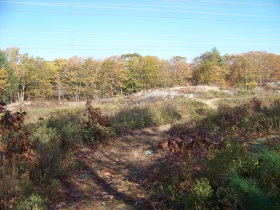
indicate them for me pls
(209, 68)
(149, 72)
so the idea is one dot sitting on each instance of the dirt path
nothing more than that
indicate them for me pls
(112, 176)
(212, 103)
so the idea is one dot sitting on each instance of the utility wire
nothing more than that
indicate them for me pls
(183, 45)
(159, 35)
(123, 49)
(227, 2)
(138, 16)
(127, 42)
(88, 5)
(179, 11)
(127, 5)
(143, 29)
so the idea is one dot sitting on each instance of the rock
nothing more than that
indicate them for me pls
(27, 103)
(148, 152)
(191, 96)
(260, 140)
(83, 177)
(60, 205)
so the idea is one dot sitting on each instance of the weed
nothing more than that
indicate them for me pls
(33, 202)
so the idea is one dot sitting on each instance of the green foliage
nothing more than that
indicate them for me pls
(236, 173)
(144, 116)
(245, 121)
(33, 202)
(210, 68)
(224, 162)
(200, 193)
(256, 186)
(79, 78)
(95, 127)
(38, 161)
(20, 159)
(66, 124)
(46, 138)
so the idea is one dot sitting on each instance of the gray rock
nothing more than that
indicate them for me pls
(148, 152)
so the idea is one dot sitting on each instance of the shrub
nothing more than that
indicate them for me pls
(66, 125)
(257, 186)
(95, 127)
(233, 173)
(20, 159)
(34, 202)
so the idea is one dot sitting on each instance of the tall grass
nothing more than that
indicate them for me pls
(166, 111)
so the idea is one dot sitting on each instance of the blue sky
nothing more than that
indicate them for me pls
(164, 28)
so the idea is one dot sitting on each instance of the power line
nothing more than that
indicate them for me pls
(126, 49)
(88, 5)
(226, 2)
(137, 16)
(144, 29)
(137, 45)
(128, 42)
(151, 35)
(176, 11)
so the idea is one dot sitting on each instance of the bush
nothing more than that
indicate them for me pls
(20, 159)
(66, 125)
(34, 202)
(39, 156)
(257, 186)
(95, 127)
(236, 172)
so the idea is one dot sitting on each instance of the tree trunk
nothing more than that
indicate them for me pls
(21, 96)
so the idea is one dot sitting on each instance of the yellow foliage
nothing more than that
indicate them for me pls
(3, 80)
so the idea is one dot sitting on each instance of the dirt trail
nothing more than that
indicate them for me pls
(113, 175)
(212, 103)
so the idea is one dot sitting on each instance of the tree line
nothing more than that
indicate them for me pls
(24, 77)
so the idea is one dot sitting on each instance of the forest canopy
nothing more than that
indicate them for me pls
(24, 77)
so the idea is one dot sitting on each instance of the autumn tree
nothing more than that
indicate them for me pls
(112, 76)
(271, 67)
(74, 76)
(4, 84)
(104, 76)
(41, 77)
(91, 67)
(132, 68)
(252, 69)
(149, 73)
(120, 76)
(180, 71)
(165, 69)
(209, 68)
(10, 63)
(22, 75)
(59, 66)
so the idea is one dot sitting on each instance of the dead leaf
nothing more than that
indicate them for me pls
(198, 168)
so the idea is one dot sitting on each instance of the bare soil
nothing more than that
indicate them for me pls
(112, 176)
